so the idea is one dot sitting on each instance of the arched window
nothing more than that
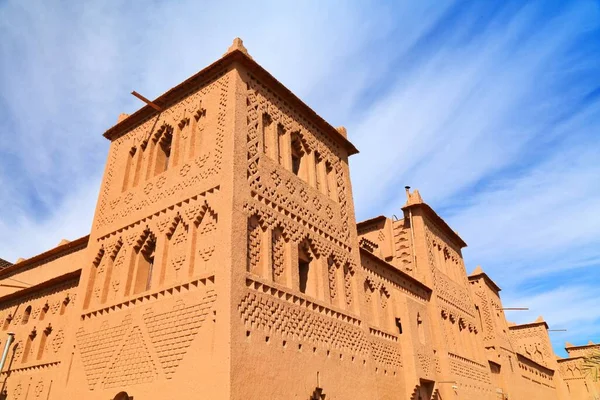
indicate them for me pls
(144, 263)
(163, 150)
(63, 306)
(26, 315)
(331, 181)
(319, 173)
(298, 157)
(129, 167)
(307, 270)
(7, 322)
(304, 260)
(122, 396)
(43, 341)
(268, 135)
(281, 140)
(197, 136)
(28, 345)
(44, 311)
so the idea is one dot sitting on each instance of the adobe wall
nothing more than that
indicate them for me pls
(30, 272)
(40, 318)
(579, 383)
(498, 348)
(395, 307)
(536, 380)
(154, 311)
(457, 335)
(393, 240)
(315, 338)
(225, 262)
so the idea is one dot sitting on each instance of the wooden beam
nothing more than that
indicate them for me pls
(145, 100)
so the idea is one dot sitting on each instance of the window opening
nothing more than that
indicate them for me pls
(267, 123)
(163, 155)
(331, 183)
(318, 184)
(399, 325)
(145, 265)
(297, 157)
(44, 311)
(28, 345)
(304, 273)
(303, 268)
(420, 329)
(26, 315)
(280, 144)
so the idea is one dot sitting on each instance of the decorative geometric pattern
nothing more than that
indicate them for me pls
(270, 315)
(385, 353)
(468, 369)
(98, 347)
(254, 245)
(278, 255)
(207, 164)
(132, 365)
(172, 332)
(58, 340)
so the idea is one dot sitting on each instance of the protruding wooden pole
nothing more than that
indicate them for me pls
(145, 100)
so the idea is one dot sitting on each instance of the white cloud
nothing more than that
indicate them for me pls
(66, 74)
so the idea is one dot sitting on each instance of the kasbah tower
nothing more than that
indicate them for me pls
(225, 262)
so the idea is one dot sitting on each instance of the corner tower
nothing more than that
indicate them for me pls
(155, 288)
(224, 237)
(296, 328)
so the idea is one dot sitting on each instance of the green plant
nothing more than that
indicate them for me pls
(591, 364)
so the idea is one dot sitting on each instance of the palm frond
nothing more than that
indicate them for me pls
(591, 364)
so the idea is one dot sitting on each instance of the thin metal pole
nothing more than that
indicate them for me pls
(9, 340)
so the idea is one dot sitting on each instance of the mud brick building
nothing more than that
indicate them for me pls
(225, 262)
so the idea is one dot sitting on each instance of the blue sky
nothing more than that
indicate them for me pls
(490, 109)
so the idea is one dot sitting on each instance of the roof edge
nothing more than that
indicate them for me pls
(520, 355)
(527, 325)
(49, 253)
(583, 346)
(395, 269)
(489, 281)
(179, 90)
(371, 221)
(439, 220)
(43, 285)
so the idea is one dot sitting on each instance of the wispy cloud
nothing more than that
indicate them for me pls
(491, 110)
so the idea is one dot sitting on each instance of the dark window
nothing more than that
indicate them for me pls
(295, 163)
(145, 264)
(399, 325)
(297, 155)
(26, 315)
(164, 151)
(149, 257)
(166, 148)
(44, 311)
(303, 268)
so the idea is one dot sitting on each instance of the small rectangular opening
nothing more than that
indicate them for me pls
(399, 325)
(303, 268)
(295, 163)
(150, 261)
